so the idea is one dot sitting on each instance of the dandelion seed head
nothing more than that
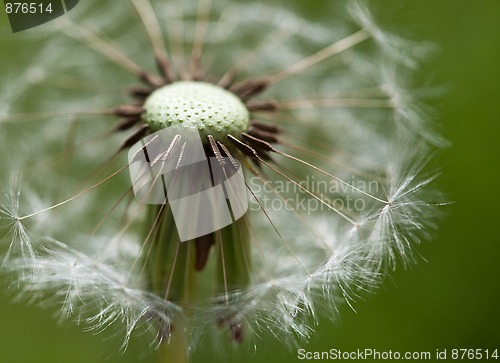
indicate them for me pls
(210, 109)
(324, 118)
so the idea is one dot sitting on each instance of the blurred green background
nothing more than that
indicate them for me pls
(450, 301)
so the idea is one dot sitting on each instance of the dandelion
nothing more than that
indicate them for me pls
(307, 124)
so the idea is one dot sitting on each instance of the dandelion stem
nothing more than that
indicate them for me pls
(308, 192)
(321, 55)
(171, 275)
(273, 38)
(204, 7)
(176, 35)
(295, 212)
(277, 232)
(331, 176)
(335, 102)
(350, 168)
(152, 26)
(36, 116)
(174, 351)
(76, 196)
(105, 48)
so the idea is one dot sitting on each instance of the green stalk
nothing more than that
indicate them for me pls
(171, 275)
(173, 351)
(233, 257)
